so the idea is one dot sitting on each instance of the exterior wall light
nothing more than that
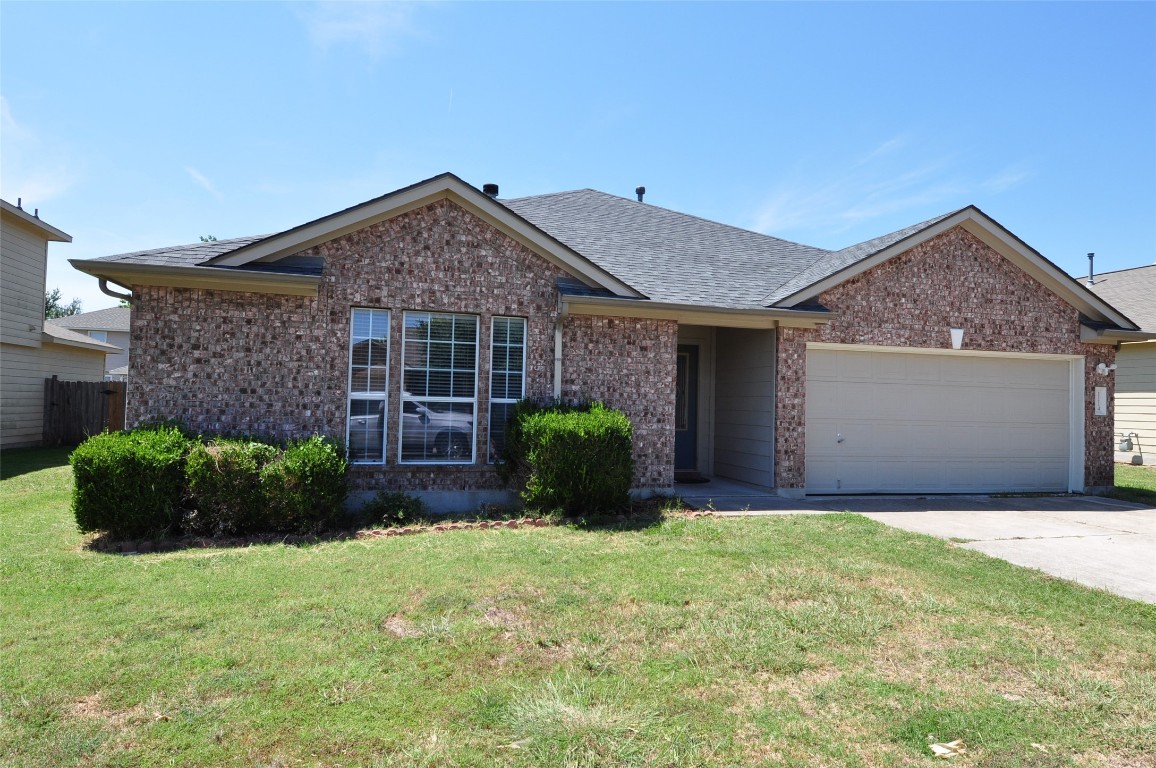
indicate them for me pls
(1104, 369)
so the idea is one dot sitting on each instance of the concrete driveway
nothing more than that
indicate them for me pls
(1099, 542)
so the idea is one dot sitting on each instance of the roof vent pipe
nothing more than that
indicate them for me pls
(1091, 269)
(640, 191)
(490, 190)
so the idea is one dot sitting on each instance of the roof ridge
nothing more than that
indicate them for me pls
(1116, 271)
(683, 214)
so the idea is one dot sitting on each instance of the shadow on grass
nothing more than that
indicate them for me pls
(640, 516)
(22, 461)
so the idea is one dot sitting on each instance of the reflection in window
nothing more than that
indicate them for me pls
(439, 396)
(368, 374)
(507, 377)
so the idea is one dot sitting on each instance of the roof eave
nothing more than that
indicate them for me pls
(92, 346)
(212, 278)
(45, 229)
(693, 314)
(1092, 335)
(416, 196)
(1000, 239)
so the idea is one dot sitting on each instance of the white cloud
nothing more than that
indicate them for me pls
(32, 170)
(202, 180)
(890, 178)
(1006, 179)
(374, 27)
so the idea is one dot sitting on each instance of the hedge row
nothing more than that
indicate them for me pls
(156, 481)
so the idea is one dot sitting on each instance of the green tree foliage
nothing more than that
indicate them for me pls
(53, 308)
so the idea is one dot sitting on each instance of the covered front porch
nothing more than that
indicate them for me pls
(725, 410)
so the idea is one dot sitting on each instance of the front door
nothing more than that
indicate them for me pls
(686, 408)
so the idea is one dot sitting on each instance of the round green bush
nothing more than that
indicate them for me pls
(130, 484)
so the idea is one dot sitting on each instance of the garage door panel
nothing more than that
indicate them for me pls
(919, 423)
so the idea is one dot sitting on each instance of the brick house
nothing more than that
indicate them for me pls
(946, 357)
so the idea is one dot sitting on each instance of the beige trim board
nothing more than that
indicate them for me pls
(445, 186)
(937, 351)
(691, 315)
(1000, 240)
(213, 278)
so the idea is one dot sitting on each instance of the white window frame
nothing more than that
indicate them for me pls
(407, 398)
(382, 395)
(492, 459)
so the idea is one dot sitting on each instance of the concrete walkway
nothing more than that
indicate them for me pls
(1098, 542)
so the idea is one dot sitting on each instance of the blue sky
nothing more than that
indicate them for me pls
(137, 125)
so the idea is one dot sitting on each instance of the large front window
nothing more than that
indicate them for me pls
(439, 388)
(507, 377)
(368, 374)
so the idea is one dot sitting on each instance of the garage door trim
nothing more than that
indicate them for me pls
(1075, 390)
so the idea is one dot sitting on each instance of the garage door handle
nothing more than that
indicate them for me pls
(838, 438)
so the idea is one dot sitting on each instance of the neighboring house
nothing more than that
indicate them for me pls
(946, 357)
(107, 325)
(1133, 291)
(31, 350)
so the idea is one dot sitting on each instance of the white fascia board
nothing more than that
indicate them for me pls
(440, 187)
(726, 317)
(213, 278)
(1000, 240)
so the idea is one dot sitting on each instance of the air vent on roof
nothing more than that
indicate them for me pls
(640, 191)
(490, 189)
(1091, 269)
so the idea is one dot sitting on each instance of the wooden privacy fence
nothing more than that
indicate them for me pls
(73, 410)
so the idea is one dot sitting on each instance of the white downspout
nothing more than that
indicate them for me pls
(562, 310)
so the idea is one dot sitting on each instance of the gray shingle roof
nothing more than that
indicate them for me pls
(835, 261)
(666, 255)
(183, 255)
(1132, 291)
(114, 319)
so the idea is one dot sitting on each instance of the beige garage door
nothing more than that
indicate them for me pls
(885, 422)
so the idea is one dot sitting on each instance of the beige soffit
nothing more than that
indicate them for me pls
(444, 186)
(214, 278)
(49, 232)
(727, 317)
(993, 234)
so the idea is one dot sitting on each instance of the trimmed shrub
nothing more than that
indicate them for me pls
(392, 508)
(579, 460)
(225, 492)
(305, 488)
(129, 484)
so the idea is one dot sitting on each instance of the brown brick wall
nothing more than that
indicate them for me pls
(911, 300)
(628, 364)
(228, 362)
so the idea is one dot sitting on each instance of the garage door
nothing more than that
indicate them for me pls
(886, 422)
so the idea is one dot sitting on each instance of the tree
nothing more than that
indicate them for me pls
(208, 238)
(54, 309)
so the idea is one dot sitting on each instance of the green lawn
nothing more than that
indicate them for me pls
(1135, 483)
(809, 640)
